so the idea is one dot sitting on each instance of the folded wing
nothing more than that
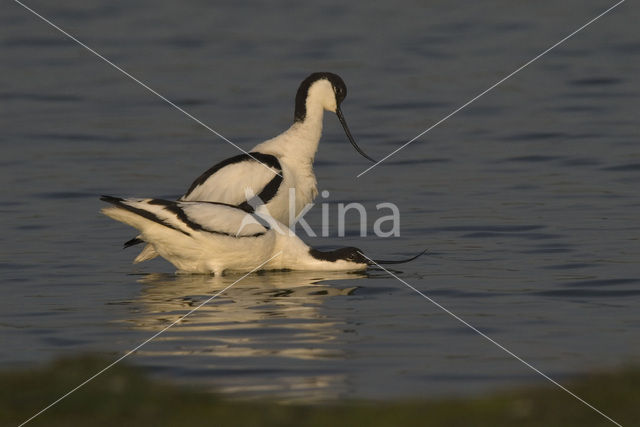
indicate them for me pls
(229, 180)
(187, 218)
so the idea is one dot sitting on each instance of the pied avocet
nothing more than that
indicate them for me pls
(213, 237)
(276, 165)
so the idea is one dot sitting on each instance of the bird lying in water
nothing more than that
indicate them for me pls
(213, 237)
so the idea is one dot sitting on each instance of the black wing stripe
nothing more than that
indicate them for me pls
(132, 242)
(173, 207)
(340, 254)
(270, 190)
(246, 207)
(182, 216)
(267, 159)
(117, 201)
(267, 193)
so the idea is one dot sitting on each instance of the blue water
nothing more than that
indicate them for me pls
(527, 199)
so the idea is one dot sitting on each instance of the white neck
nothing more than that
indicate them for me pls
(307, 132)
(300, 141)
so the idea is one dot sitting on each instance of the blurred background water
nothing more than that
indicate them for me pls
(528, 199)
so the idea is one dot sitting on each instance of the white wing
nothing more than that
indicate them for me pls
(187, 218)
(228, 181)
(221, 219)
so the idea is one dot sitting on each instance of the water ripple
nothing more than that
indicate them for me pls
(531, 159)
(596, 81)
(532, 136)
(65, 195)
(415, 105)
(602, 282)
(629, 167)
(48, 97)
(490, 228)
(588, 293)
(530, 236)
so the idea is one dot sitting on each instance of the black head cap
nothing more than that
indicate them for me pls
(339, 88)
(349, 254)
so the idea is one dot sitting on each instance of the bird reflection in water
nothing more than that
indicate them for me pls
(269, 334)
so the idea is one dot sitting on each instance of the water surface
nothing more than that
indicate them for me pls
(528, 199)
